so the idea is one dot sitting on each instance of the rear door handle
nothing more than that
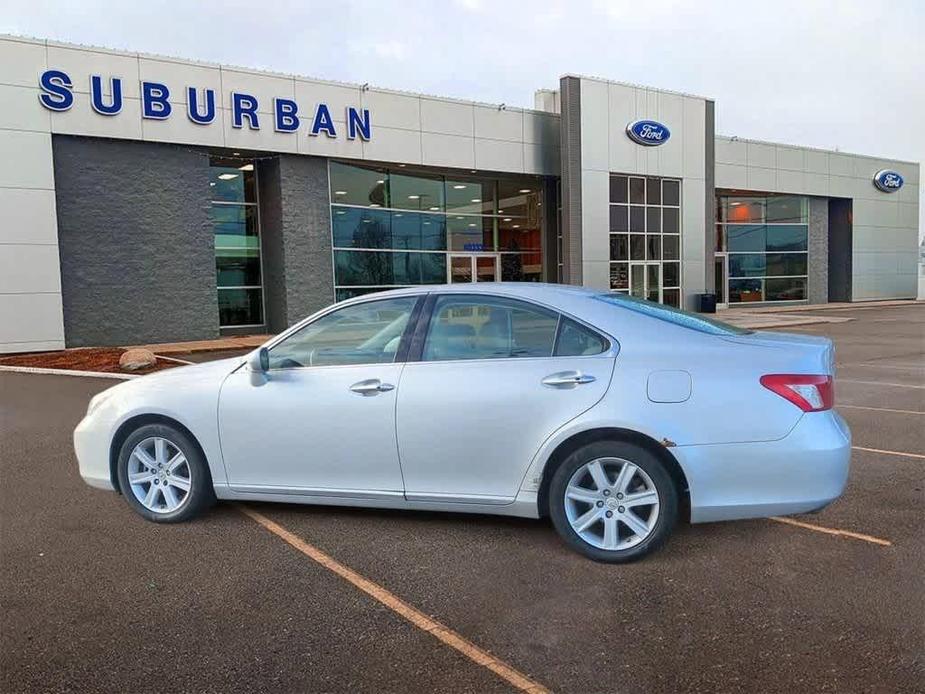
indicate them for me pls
(372, 386)
(567, 379)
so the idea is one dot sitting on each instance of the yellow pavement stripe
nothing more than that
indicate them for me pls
(400, 607)
(879, 409)
(833, 531)
(879, 383)
(899, 453)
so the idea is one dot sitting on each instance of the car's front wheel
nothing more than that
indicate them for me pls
(162, 474)
(613, 501)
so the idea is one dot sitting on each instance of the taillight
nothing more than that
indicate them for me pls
(809, 393)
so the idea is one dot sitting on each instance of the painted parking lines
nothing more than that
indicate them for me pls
(881, 383)
(417, 618)
(879, 409)
(901, 454)
(833, 531)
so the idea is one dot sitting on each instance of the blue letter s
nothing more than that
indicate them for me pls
(56, 90)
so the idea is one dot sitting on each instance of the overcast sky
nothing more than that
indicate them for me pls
(848, 74)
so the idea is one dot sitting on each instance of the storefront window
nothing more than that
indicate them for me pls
(236, 229)
(765, 239)
(645, 228)
(377, 213)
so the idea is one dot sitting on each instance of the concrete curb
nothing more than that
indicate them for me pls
(67, 372)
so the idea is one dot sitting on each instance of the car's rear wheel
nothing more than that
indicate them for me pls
(162, 474)
(613, 501)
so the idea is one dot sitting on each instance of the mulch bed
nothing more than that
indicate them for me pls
(104, 359)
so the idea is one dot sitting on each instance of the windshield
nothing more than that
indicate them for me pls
(685, 319)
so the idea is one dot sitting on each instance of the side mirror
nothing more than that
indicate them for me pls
(258, 363)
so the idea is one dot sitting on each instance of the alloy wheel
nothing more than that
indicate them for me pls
(159, 475)
(611, 503)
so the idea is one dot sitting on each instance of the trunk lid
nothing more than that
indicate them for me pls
(809, 354)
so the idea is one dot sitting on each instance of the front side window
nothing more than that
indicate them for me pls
(367, 333)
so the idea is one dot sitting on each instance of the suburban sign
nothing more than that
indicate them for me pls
(888, 181)
(156, 104)
(648, 132)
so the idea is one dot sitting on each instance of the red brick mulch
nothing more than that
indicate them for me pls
(104, 359)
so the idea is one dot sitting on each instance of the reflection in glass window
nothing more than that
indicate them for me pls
(489, 328)
(382, 210)
(653, 220)
(787, 208)
(229, 182)
(766, 238)
(353, 185)
(521, 267)
(417, 192)
(236, 233)
(619, 189)
(392, 268)
(470, 196)
(367, 333)
(619, 218)
(744, 291)
(785, 289)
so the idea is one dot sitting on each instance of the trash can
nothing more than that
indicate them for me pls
(706, 303)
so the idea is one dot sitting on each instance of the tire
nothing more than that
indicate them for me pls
(168, 489)
(637, 526)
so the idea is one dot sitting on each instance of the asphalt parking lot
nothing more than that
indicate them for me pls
(93, 598)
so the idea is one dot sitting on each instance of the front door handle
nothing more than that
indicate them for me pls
(372, 386)
(567, 379)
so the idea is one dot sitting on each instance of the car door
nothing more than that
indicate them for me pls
(323, 422)
(491, 379)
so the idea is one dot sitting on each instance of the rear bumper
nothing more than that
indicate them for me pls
(91, 444)
(804, 471)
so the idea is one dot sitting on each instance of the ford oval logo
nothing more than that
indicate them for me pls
(648, 132)
(888, 181)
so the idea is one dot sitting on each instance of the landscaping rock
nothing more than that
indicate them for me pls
(134, 359)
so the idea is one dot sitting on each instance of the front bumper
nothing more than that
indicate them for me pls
(801, 472)
(91, 444)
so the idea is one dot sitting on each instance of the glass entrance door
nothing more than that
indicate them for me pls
(646, 281)
(721, 273)
(474, 268)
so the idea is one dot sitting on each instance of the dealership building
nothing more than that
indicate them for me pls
(149, 199)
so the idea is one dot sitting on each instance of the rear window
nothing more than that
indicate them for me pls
(685, 319)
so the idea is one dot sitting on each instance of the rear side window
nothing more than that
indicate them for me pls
(577, 341)
(482, 327)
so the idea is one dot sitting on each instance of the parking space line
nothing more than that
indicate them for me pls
(833, 531)
(879, 409)
(901, 454)
(881, 383)
(400, 607)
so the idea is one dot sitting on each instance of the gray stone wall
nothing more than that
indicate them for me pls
(296, 230)
(818, 290)
(135, 240)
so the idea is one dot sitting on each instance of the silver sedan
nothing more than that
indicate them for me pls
(612, 416)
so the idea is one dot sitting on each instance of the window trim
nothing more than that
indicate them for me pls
(403, 344)
(416, 352)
